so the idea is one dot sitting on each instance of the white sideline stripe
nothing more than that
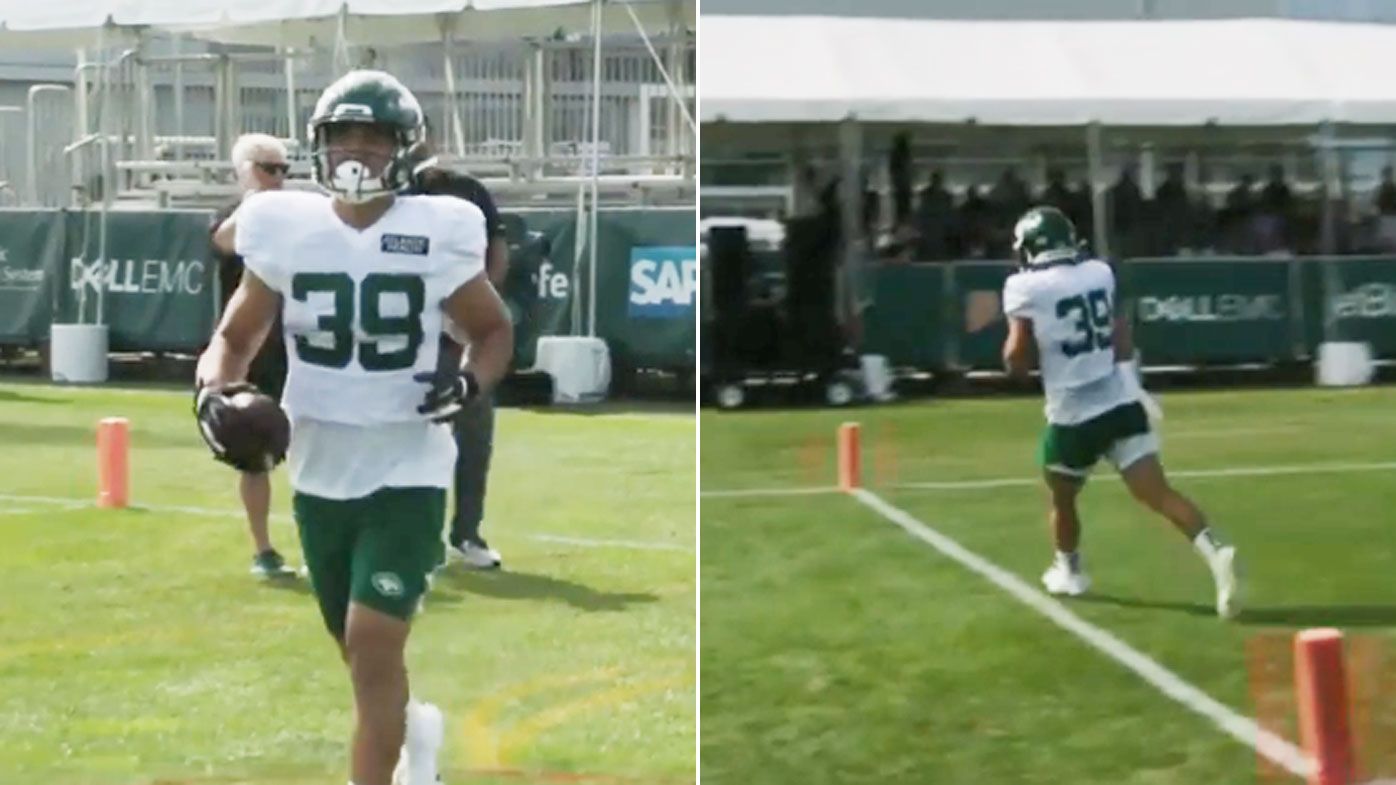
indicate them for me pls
(1008, 482)
(78, 504)
(1229, 471)
(736, 493)
(1241, 728)
(589, 543)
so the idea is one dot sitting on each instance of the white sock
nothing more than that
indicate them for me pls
(1072, 560)
(1207, 543)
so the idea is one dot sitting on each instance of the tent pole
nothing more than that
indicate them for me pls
(1095, 160)
(341, 40)
(145, 102)
(291, 113)
(580, 242)
(177, 48)
(595, 161)
(1331, 188)
(103, 127)
(453, 121)
(533, 111)
(674, 94)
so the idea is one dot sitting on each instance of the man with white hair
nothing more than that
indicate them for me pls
(260, 163)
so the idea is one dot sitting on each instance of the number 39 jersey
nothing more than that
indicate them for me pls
(362, 310)
(362, 313)
(1071, 307)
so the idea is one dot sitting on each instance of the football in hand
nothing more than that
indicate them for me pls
(249, 425)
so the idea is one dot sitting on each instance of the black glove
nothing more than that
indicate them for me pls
(449, 392)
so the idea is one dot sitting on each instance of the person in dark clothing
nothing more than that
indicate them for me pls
(1173, 212)
(1172, 192)
(1082, 210)
(260, 163)
(1241, 198)
(1386, 193)
(1009, 199)
(1276, 212)
(1009, 196)
(935, 219)
(935, 196)
(1126, 212)
(474, 425)
(976, 218)
(1056, 194)
(1275, 197)
(899, 171)
(1237, 217)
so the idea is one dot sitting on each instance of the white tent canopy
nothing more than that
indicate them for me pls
(1185, 73)
(304, 22)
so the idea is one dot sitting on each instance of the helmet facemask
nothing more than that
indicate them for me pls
(355, 176)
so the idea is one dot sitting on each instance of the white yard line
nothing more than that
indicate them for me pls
(737, 493)
(590, 543)
(1010, 482)
(1239, 727)
(66, 504)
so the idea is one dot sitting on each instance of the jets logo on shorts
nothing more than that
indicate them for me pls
(387, 584)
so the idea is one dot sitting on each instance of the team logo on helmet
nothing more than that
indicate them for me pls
(1044, 234)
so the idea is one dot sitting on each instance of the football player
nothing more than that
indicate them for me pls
(365, 281)
(260, 163)
(474, 426)
(1061, 307)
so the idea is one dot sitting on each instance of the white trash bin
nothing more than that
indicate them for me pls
(877, 377)
(78, 353)
(580, 367)
(1344, 364)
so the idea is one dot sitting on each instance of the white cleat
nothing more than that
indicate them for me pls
(1061, 579)
(426, 732)
(477, 556)
(1228, 584)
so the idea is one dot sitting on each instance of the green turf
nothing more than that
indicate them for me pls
(135, 648)
(836, 648)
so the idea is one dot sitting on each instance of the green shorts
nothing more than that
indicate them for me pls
(377, 550)
(1120, 435)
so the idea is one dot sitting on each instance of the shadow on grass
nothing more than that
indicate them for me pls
(513, 585)
(1193, 608)
(10, 396)
(1278, 616)
(293, 585)
(22, 434)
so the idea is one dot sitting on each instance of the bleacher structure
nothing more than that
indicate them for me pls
(155, 122)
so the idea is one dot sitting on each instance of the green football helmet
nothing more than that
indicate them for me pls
(371, 97)
(1044, 234)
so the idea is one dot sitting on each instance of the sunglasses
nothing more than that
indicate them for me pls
(280, 169)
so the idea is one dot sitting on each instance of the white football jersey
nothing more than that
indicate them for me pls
(362, 314)
(1072, 309)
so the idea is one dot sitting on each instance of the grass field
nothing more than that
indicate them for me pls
(836, 648)
(135, 648)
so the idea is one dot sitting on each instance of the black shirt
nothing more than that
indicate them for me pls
(268, 369)
(229, 265)
(443, 182)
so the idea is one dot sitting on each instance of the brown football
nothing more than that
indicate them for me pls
(255, 425)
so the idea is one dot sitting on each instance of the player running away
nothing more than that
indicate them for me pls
(1063, 306)
(365, 281)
